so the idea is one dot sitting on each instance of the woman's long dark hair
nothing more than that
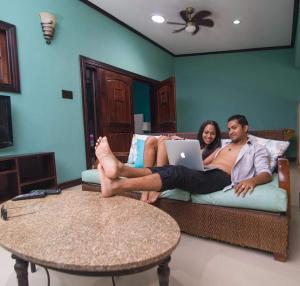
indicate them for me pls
(209, 149)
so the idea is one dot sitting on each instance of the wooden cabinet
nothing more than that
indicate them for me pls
(23, 173)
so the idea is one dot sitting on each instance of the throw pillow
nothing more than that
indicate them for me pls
(133, 148)
(139, 162)
(276, 148)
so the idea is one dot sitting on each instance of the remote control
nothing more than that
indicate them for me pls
(48, 191)
(32, 195)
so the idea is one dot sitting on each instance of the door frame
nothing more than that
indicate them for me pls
(298, 135)
(88, 63)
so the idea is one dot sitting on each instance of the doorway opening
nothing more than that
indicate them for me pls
(111, 98)
(141, 94)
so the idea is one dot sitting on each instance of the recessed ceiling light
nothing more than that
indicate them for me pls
(158, 19)
(236, 21)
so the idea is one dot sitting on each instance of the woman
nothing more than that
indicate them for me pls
(155, 153)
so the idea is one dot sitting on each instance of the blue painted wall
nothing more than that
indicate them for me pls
(42, 119)
(263, 85)
(141, 99)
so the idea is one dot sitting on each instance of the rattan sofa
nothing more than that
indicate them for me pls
(260, 230)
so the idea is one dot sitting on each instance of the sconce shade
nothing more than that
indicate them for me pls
(48, 22)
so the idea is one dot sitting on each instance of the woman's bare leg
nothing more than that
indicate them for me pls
(150, 151)
(162, 156)
(161, 160)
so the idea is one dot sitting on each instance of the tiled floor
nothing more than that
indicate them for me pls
(196, 262)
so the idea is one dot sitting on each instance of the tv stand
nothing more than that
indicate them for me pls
(22, 173)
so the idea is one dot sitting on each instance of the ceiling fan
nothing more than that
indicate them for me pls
(192, 23)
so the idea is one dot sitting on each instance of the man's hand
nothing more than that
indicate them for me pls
(244, 187)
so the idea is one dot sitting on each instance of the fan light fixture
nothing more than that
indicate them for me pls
(192, 21)
(158, 19)
(190, 28)
(236, 22)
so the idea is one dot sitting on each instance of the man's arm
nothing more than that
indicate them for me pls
(262, 169)
(248, 185)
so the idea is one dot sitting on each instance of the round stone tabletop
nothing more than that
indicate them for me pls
(80, 231)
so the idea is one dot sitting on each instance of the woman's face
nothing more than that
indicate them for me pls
(209, 134)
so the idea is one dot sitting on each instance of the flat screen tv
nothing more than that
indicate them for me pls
(6, 134)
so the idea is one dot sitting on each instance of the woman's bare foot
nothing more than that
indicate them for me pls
(149, 197)
(108, 186)
(110, 164)
(152, 197)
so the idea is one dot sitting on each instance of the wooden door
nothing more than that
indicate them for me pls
(116, 119)
(164, 107)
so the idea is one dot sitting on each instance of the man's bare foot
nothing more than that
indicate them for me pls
(108, 186)
(110, 164)
(145, 197)
(152, 197)
(98, 142)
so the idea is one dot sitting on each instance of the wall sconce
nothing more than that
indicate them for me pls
(48, 22)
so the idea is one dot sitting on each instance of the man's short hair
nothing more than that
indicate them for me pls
(241, 119)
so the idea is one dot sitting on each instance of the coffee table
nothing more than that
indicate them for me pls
(81, 233)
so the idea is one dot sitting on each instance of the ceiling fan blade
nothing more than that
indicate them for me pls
(184, 15)
(206, 22)
(175, 23)
(200, 15)
(179, 30)
(196, 31)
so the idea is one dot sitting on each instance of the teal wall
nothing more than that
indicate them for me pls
(141, 99)
(263, 85)
(42, 119)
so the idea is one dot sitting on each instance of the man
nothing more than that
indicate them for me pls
(241, 163)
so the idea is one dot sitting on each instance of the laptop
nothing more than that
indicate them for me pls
(186, 153)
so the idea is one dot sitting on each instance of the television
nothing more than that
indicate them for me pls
(6, 134)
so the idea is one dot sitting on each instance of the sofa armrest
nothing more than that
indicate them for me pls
(284, 179)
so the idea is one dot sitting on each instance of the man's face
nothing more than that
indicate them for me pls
(236, 131)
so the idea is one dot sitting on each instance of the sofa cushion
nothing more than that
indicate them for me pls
(176, 194)
(267, 197)
(90, 176)
(133, 148)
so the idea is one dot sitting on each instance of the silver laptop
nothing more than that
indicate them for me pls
(186, 153)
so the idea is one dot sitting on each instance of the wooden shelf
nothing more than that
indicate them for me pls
(8, 172)
(23, 173)
(37, 181)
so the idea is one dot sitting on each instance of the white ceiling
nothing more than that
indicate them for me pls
(264, 23)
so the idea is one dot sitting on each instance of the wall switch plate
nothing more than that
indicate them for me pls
(67, 94)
